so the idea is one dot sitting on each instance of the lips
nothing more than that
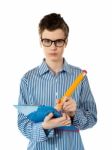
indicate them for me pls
(53, 54)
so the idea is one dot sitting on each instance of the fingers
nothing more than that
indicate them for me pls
(68, 117)
(64, 118)
(50, 122)
(66, 104)
(58, 101)
(66, 99)
(67, 121)
(69, 105)
(58, 106)
(68, 108)
(48, 117)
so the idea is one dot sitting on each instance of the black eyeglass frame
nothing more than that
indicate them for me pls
(53, 41)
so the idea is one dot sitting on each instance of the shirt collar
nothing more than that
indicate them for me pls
(43, 68)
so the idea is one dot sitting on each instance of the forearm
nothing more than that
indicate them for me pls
(33, 131)
(86, 113)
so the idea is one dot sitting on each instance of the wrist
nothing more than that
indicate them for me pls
(72, 114)
(43, 125)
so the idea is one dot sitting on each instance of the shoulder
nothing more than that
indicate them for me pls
(32, 73)
(75, 69)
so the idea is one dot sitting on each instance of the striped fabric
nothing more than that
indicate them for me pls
(40, 86)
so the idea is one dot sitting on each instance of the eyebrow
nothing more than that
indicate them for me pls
(53, 40)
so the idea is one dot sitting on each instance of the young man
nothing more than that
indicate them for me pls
(48, 82)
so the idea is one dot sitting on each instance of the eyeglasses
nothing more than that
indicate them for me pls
(57, 43)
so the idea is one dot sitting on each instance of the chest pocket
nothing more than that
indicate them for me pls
(40, 93)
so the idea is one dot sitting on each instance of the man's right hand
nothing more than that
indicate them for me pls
(50, 122)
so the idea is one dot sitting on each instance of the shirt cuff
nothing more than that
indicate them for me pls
(79, 120)
(40, 134)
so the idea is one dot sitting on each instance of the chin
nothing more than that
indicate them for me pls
(53, 58)
(56, 59)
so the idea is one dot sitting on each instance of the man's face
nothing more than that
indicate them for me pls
(53, 50)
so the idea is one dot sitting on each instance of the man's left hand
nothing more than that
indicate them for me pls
(69, 106)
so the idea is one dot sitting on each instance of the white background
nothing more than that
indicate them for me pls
(90, 46)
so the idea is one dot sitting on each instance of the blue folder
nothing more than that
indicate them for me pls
(38, 113)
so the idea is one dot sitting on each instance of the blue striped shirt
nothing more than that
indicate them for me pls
(40, 86)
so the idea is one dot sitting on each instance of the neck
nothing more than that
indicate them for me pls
(55, 66)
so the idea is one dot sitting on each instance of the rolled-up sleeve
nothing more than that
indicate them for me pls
(86, 114)
(31, 130)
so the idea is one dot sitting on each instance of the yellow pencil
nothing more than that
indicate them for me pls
(71, 89)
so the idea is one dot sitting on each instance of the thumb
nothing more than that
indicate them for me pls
(48, 117)
(58, 101)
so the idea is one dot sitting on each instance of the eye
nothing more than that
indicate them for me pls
(46, 41)
(60, 42)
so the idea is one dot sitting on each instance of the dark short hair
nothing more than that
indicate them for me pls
(52, 22)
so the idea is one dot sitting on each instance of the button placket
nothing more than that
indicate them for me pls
(56, 88)
(56, 97)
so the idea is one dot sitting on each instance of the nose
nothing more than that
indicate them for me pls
(53, 45)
